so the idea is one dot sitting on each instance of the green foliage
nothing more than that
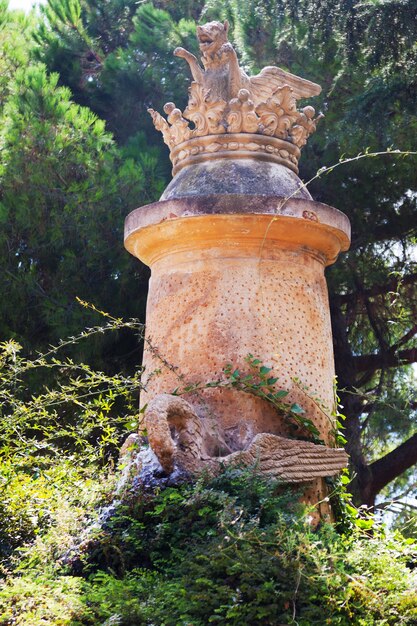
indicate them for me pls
(37, 601)
(40, 495)
(82, 413)
(65, 189)
(236, 549)
(66, 184)
(116, 58)
(56, 439)
(233, 550)
(16, 33)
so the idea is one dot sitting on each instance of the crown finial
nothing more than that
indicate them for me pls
(233, 114)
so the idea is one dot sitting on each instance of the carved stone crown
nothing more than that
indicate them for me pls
(233, 115)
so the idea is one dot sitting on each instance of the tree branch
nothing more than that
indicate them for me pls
(373, 406)
(392, 285)
(405, 338)
(384, 470)
(378, 394)
(373, 318)
(374, 362)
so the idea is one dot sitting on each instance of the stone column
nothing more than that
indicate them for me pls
(237, 248)
(237, 274)
(234, 275)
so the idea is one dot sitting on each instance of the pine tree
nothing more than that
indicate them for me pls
(65, 189)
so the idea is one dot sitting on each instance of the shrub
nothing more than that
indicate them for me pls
(235, 550)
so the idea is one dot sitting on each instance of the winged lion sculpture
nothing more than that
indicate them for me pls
(224, 78)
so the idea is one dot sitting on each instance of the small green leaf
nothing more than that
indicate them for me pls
(297, 409)
(364, 524)
(213, 383)
(351, 510)
(281, 394)
(272, 381)
(264, 370)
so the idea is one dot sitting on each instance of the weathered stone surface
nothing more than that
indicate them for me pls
(290, 460)
(223, 77)
(242, 176)
(234, 204)
(226, 285)
(178, 436)
(181, 442)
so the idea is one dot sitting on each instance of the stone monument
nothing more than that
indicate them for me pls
(237, 249)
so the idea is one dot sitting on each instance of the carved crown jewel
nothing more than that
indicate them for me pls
(234, 115)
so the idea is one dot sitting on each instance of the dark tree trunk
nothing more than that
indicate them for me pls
(351, 402)
(369, 479)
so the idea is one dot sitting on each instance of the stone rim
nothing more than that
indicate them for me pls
(237, 204)
(235, 146)
(169, 227)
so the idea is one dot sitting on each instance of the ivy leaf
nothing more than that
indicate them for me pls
(297, 409)
(364, 524)
(281, 393)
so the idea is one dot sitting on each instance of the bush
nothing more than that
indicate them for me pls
(234, 550)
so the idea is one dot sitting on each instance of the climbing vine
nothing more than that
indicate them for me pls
(260, 381)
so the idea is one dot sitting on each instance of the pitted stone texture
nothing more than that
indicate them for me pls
(239, 176)
(203, 314)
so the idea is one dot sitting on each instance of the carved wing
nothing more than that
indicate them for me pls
(291, 460)
(263, 85)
